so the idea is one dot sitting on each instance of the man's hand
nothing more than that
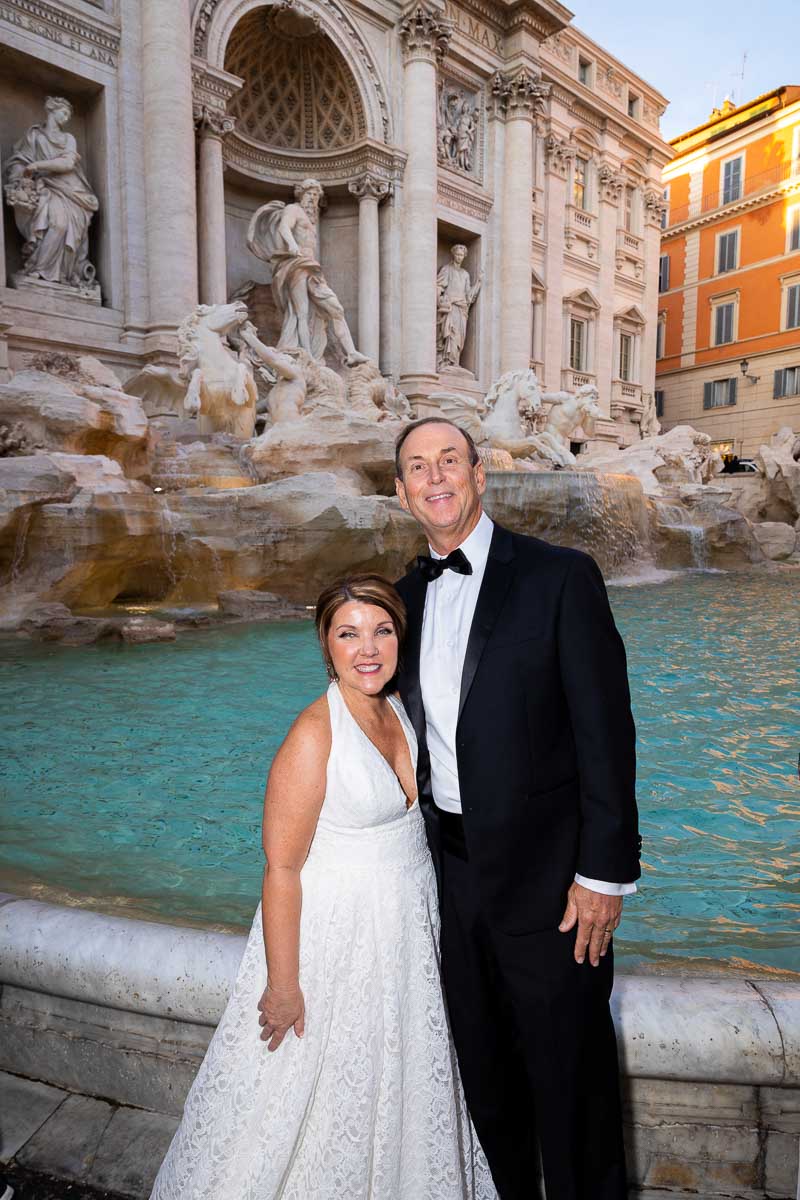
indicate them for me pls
(597, 917)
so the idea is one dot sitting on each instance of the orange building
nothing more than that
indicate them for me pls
(728, 347)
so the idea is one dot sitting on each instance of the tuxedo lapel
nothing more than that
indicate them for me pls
(415, 608)
(496, 580)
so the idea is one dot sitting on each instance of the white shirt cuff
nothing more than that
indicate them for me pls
(607, 889)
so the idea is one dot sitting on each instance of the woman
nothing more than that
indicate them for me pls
(352, 1090)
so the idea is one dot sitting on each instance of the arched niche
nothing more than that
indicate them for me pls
(215, 21)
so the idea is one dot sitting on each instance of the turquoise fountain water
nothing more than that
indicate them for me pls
(132, 777)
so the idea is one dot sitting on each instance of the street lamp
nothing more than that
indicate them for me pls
(743, 366)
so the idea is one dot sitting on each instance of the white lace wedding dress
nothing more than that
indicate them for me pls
(368, 1104)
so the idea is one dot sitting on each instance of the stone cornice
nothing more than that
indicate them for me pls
(94, 39)
(730, 210)
(377, 187)
(519, 95)
(330, 167)
(424, 33)
(461, 199)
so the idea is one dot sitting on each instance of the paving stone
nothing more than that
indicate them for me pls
(131, 1151)
(66, 1144)
(25, 1106)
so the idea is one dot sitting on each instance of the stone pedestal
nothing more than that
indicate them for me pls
(370, 190)
(169, 166)
(212, 127)
(425, 35)
(518, 96)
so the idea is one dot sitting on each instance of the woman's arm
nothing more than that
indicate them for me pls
(295, 791)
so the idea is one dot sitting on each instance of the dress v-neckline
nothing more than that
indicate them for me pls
(380, 753)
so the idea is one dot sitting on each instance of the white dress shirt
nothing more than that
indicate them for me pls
(450, 604)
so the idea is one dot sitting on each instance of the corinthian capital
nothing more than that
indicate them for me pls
(425, 33)
(558, 154)
(369, 184)
(655, 208)
(212, 122)
(519, 94)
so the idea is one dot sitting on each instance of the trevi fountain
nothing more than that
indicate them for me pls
(173, 498)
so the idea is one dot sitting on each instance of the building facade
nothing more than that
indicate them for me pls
(486, 124)
(729, 277)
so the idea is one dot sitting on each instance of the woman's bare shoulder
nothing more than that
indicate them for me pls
(310, 734)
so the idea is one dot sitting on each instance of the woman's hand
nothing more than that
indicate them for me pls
(278, 1012)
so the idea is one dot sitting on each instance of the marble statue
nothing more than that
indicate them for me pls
(513, 402)
(455, 296)
(458, 128)
(53, 202)
(285, 236)
(568, 411)
(221, 387)
(649, 426)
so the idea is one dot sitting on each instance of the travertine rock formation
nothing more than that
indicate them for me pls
(777, 540)
(681, 456)
(327, 441)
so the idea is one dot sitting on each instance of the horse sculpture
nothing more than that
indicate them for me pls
(513, 403)
(221, 386)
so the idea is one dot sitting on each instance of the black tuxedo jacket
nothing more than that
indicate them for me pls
(545, 740)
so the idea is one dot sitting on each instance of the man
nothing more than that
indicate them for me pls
(515, 678)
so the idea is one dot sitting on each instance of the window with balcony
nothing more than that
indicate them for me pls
(661, 336)
(577, 345)
(585, 72)
(793, 307)
(787, 382)
(626, 357)
(793, 229)
(663, 273)
(719, 393)
(732, 180)
(724, 322)
(579, 175)
(727, 251)
(630, 197)
(796, 151)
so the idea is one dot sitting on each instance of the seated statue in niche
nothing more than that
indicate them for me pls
(285, 236)
(53, 202)
(455, 295)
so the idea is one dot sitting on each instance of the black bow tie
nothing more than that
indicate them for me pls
(432, 568)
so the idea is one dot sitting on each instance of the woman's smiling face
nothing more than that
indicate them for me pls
(362, 644)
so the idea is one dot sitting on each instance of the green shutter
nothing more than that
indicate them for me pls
(732, 390)
(708, 394)
(777, 387)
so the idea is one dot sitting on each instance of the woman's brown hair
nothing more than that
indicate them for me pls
(365, 589)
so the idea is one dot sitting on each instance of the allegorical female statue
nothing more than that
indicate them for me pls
(52, 200)
(455, 296)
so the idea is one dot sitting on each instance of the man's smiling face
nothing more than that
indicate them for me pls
(440, 487)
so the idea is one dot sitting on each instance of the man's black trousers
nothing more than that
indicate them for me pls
(535, 1045)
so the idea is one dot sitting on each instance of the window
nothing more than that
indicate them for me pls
(585, 72)
(577, 345)
(633, 105)
(796, 151)
(793, 229)
(719, 393)
(793, 306)
(728, 251)
(625, 357)
(732, 180)
(659, 394)
(629, 194)
(579, 182)
(665, 209)
(661, 333)
(663, 273)
(787, 382)
(723, 323)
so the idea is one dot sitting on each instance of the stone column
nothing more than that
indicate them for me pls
(425, 35)
(518, 97)
(370, 190)
(556, 165)
(169, 162)
(609, 185)
(653, 210)
(212, 126)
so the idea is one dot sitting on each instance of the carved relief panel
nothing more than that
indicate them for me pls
(460, 127)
